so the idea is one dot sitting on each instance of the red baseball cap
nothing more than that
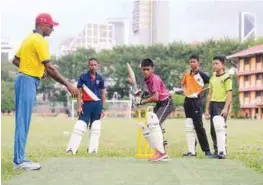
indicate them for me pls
(45, 18)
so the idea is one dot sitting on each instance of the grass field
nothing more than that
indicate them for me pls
(48, 139)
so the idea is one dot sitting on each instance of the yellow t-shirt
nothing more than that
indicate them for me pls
(219, 86)
(32, 53)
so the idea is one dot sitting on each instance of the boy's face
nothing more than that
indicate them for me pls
(93, 65)
(146, 71)
(194, 63)
(217, 65)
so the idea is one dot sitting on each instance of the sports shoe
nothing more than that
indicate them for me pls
(189, 154)
(214, 156)
(221, 155)
(208, 153)
(158, 157)
(91, 152)
(28, 166)
(71, 152)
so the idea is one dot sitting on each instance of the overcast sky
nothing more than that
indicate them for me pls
(190, 20)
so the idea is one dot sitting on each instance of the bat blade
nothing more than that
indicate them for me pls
(132, 77)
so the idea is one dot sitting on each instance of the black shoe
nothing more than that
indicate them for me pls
(214, 156)
(208, 153)
(189, 154)
(221, 155)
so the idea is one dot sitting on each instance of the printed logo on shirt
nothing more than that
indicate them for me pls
(97, 82)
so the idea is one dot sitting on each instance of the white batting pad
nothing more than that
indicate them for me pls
(190, 135)
(76, 136)
(156, 134)
(219, 124)
(94, 137)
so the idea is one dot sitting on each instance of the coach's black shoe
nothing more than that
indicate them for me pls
(189, 154)
(208, 154)
(221, 155)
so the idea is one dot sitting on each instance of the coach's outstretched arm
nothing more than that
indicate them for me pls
(16, 61)
(53, 72)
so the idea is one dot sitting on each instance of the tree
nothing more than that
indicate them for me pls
(178, 100)
(235, 95)
(171, 61)
(7, 97)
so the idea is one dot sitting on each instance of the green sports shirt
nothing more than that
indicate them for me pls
(220, 85)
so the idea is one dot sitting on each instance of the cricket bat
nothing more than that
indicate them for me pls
(132, 77)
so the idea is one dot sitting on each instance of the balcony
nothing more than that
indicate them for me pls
(255, 71)
(253, 88)
(258, 102)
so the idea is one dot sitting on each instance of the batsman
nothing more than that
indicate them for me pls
(90, 109)
(159, 94)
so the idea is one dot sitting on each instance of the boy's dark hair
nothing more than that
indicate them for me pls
(220, 58)
(147, 62)
(91, 59)
(194, 57)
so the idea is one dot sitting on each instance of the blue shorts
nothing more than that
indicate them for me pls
(91, 112)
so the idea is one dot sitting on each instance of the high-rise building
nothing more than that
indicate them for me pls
(247, 26)
(5, 50)
(96, 36)
(121, 30)
(150, 22)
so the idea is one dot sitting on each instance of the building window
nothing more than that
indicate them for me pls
(258, 58)
(95, 40)
(259, 76)
(246, 94)
(95, 33)
(103, 27)
(103, 33)
(102, 40)
(259, 94)
(89, 33)
(246, 61)
(247, 78)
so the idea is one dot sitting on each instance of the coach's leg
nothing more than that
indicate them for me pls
(25, 96)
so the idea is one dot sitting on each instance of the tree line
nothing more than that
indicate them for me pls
(171, 61)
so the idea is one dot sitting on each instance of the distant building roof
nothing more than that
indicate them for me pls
(247, 52)
(194, 43)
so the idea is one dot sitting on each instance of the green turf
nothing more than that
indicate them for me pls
(129, 171)
(47, 139)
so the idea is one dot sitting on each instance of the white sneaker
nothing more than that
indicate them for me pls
(28, 166)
